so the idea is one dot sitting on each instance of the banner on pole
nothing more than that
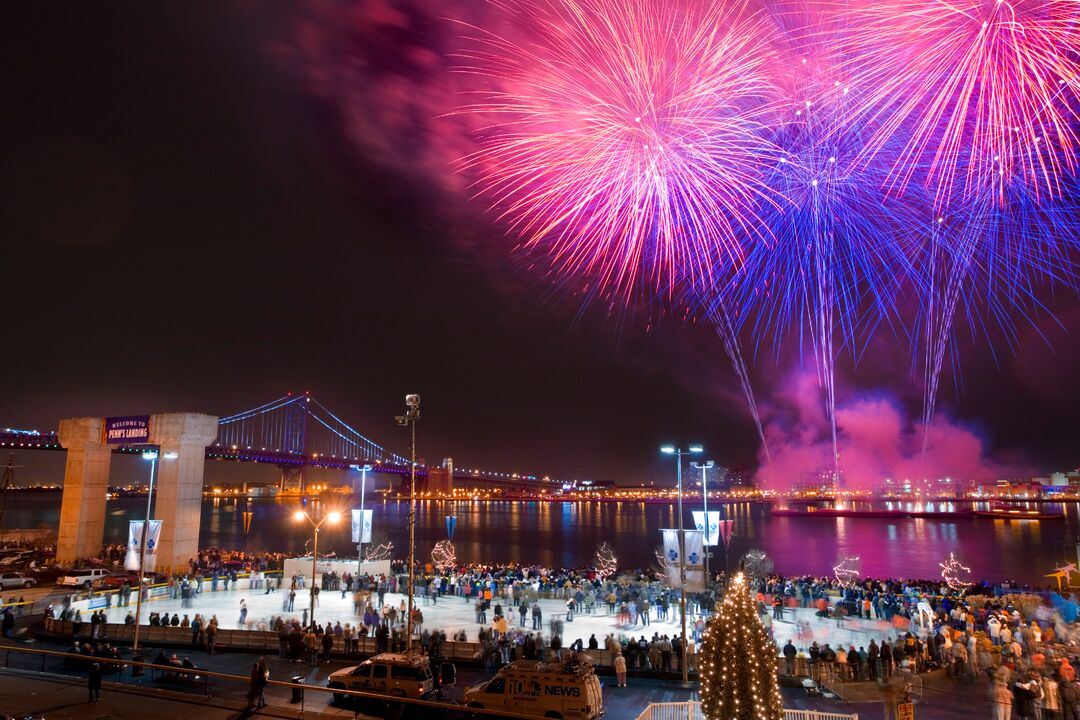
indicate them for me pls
(361, 525)
(695, 559)
(671, 556)
(134, 550)
(709, 523)
(725, 531)
(451, 523)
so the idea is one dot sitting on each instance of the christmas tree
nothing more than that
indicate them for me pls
(738, 661)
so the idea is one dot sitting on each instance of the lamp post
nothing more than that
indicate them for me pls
(707, 465)
(332, 518)
(364, 469)
(678, 453)
(152, 456)
(412, 414)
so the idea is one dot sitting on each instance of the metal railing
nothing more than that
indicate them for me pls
(691, 710)
(121, 673)
(817, 715)
(265, 641)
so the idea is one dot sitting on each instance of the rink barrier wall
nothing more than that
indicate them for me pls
(263, 642)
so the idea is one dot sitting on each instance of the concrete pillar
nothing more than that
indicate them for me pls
(178, 502)
(86, 480)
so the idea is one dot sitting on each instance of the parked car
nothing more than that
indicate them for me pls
(392, 674)
(48, 573)
(16, 579)
(20, 716)
(131, 578)
(17, 557)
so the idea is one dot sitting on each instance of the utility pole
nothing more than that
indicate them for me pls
(704, 467)
(412, 414)
(683, 653)
(360, 545)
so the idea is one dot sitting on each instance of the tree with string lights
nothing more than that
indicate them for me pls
(738, 661)
(605, 561)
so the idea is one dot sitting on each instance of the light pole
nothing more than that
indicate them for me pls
(707, 465)
(364, 469)
(412, 414)
(678, 453)
(332, 518)
(152, 456)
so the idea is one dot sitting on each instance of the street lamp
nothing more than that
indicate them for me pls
(364, 470)
(412, 414)
(678, 453)
(152, 456)
(707, 465)
(331, 518)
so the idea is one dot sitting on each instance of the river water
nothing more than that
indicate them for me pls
(567, 534)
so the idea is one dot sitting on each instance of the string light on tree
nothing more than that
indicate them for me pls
(662, 561)
(756, 564)
(443, 554)
(738, 661)
(847, 571)
(951, 571)
(605, 561)
(379, 553)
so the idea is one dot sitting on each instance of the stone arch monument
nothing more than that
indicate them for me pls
(178, 485)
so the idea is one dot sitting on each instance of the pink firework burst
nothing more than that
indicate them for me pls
(973, 93)
(623, 136)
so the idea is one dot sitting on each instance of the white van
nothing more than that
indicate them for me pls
(396, 674)
(549, 690)
(85, 577)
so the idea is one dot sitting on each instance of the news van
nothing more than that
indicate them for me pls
(561, 690)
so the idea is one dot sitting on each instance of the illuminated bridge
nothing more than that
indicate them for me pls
(295, 432)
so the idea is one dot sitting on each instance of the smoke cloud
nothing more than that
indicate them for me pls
(876, 440)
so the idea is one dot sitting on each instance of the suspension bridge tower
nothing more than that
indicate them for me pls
(293, 474)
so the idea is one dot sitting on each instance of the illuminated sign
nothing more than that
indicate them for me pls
(129, 430)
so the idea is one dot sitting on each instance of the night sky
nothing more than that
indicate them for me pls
(206, 206)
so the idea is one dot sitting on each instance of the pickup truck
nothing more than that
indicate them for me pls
(85, 577)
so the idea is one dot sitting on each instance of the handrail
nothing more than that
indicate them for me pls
(692, 709)
(204, 673)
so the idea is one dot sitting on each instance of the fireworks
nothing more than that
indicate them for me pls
(793, 174)
(974, 91)
(625, 137)
(833, 262)
(987, 265)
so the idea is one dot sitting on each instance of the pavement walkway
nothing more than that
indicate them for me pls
(943, 698)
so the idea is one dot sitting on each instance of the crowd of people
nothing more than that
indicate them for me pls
(1026, 647)
(90, 652)
(209, 560)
